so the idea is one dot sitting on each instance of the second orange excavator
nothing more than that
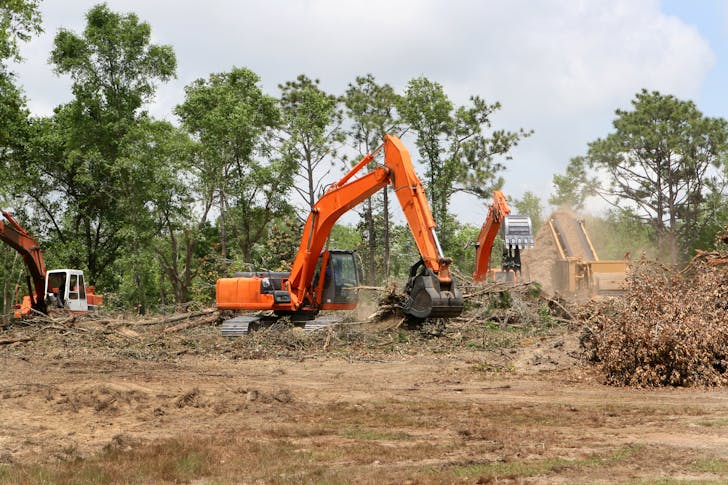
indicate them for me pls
(323, 279)
(517, 234)
(59, 288)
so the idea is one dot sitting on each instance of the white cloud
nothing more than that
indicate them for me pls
(560, 67)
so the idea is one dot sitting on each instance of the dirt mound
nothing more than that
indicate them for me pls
(101, 399)
(538, 262)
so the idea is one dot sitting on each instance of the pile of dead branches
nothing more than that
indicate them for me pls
(513, 304)
(670, 330)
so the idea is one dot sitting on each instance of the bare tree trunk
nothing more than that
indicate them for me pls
(5, 282)
(311, 194)
(223, 242)
(371, 229)
(386, 233)
(162, 292)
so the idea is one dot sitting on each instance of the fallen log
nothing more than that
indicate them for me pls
(184, 316)
(8, 341)
(190, 324)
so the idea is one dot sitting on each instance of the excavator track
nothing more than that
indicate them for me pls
(244, 324)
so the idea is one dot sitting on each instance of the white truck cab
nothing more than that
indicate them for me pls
(67, 289)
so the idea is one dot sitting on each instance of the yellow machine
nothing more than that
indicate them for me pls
(579, 269)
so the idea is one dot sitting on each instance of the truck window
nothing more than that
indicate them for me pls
(73, 288)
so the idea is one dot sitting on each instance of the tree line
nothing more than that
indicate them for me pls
(155, 212)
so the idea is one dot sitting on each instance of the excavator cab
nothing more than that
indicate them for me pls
(341, 278)
(66, 288)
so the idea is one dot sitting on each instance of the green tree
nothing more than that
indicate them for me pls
(529, 205)
(76, 170)
(663, 162)
(573, 187)
(371, 107)
(311, 131)
(19, 20)
(163, 240)
(458, 155)
(462, 248)
(233, 121)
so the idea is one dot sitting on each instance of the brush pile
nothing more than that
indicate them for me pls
(670, 330)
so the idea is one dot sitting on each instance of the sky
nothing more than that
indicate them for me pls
(558, 67)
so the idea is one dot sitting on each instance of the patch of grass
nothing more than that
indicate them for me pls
(360, 434)
(190, 465)
(714, 423)
(711, 465)
(531, 468)
(498, 470)
(487, 367)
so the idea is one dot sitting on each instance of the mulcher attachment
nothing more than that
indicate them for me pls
(427, 297)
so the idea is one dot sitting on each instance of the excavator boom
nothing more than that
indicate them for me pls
(18, 238)
(431, 292)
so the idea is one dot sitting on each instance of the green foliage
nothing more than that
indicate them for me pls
(77, 173)
(404, 251)
(140, 280)
(12, 273)
(371, 249)
(13, 126)
(232, 119)
(457, 154)
(713, 221)
(664, 160)
(278, 249)
(311, 128)
(372, 110)
(19, 20)
(573, 187)
(504, 299)
(529, 205)
(114, 68)
(345, 236)
(460, 247)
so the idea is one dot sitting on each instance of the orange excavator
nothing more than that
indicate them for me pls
(60, 288)
(326, 279)
(517, 234)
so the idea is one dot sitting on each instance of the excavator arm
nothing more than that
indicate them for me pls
(430, 292)
(18, 238)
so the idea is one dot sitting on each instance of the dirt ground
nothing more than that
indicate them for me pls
(105, 402)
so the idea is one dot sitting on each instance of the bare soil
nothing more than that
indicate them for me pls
(90, 402)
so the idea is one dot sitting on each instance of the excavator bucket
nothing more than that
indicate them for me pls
(517, 232)
(428, 297)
